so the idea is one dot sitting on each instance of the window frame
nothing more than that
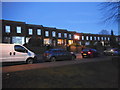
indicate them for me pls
(17, 29)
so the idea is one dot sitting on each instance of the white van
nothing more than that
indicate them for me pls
(15, 53)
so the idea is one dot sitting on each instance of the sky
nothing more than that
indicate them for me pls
(82, 17)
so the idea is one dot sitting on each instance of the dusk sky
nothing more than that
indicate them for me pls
(82, 17)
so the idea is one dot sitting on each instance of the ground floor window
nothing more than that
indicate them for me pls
(27, 39)
(80, 43)
(47, 41)
(102, 43)
(18, 40)
(6, 40)
(87, 43)
(70, 42)
(60, 41)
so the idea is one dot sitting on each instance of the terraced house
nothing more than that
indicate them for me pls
(19, 33)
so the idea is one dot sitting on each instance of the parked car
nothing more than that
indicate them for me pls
(16, 53)
(112, 51)
(89, 53)
(58, 54)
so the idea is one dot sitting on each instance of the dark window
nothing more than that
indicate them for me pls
(19, 48)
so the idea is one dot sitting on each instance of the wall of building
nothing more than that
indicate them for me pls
(20, 32)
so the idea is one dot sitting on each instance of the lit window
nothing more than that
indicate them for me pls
(108, 38)
(82, 37)
(76, 37)
(101, 38)
(60, 41)
(80, 43)
(18, 40)
(94, 38)
(7, 29)
(18, 29)
(70, 36)
(47, 41)
(105, 38)
(70, 42)
(59, 34)
(65, 35)
(53, 33)
(27, 39)
(98, 38)
(87, 38)
(46, 33)
(90, 37)
(30, 31)
(87, 43)
(38, 31)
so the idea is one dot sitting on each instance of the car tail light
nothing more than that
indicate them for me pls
(89, 52)
(46, 54)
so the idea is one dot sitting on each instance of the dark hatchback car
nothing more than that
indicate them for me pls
(89, 53)
(58, 54)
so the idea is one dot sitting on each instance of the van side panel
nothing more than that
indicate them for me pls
(6, 52)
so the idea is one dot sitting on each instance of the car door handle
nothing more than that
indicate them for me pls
(14, 53)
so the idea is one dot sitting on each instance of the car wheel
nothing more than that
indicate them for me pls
(29, 61)
(52, 59)
(73, 58)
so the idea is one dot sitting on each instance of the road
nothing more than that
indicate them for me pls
(52, 64)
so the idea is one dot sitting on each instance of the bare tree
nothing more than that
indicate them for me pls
(111, 11)
(104, 32)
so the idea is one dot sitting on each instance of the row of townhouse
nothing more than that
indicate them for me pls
(20, 32)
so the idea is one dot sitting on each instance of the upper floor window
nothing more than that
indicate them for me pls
(54, 34)
(59, 34)
(70, 36)
(46, 33)
(105, 38)
(94, 38)
(101, 38)
(7, 29)
(108, 38)
(82, 37)
(18, 29)
(90, 37)
(98, 38)
(65, 35)
(38, 31)
(87, 38)
(30, 31)
(76, 37)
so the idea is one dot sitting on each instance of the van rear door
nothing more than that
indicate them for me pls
(6, 52)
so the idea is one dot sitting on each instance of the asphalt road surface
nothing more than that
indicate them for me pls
(79, 59)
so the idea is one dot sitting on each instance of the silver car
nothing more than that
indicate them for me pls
(112, 52)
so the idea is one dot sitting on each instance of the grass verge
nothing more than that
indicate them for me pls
(102, 74)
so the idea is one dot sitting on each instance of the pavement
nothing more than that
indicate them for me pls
(78, 60)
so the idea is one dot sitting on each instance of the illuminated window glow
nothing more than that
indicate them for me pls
(76, 37)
